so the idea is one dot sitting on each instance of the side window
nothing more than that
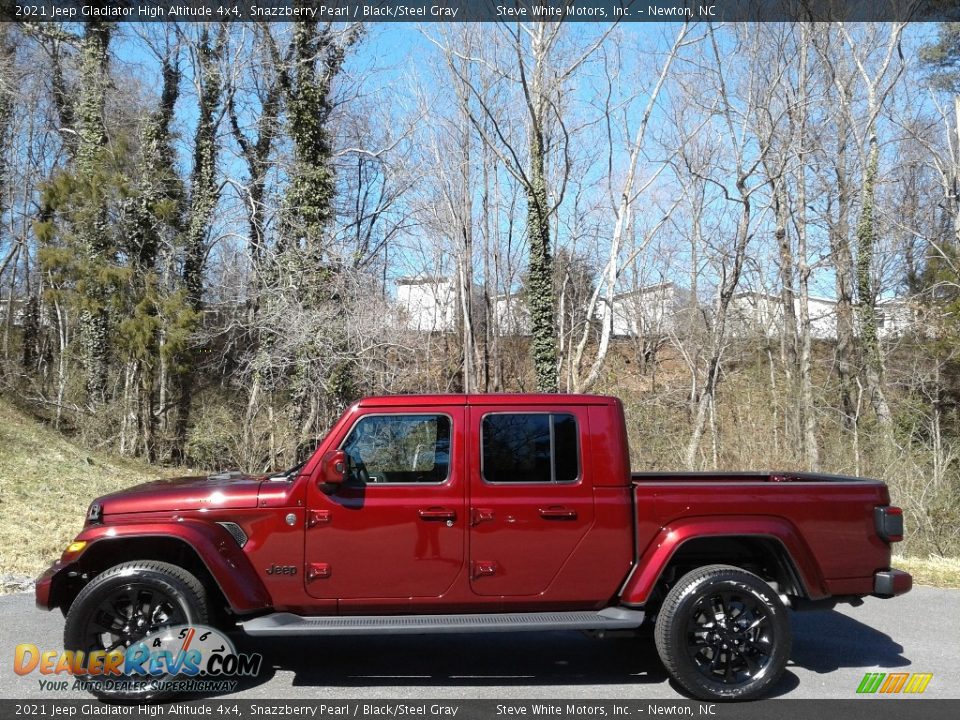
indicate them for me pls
(530, 447)
(399, 449)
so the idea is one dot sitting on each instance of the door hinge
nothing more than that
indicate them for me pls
(484, 568)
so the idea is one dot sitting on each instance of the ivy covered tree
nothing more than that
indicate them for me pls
(204, 196)
(74, 226)
(158, 319)
(942, 58)
(321, 381)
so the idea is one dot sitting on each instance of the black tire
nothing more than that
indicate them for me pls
(170, 594)
(723, 634)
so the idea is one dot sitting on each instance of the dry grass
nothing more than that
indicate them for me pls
(935, 571)
(46, 485)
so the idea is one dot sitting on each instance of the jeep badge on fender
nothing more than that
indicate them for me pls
(282, 570)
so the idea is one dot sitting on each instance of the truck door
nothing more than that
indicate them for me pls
(531, 497)
(396, 528)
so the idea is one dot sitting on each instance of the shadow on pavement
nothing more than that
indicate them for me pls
(825, 640)
(548, 658)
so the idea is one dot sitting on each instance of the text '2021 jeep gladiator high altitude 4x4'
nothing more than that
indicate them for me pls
(480, 513)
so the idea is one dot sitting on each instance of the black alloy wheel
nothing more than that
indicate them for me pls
(729, 637)
(122, 605)
(723, 634)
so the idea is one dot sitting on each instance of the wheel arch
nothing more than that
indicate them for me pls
(231, 582)
(761, 555)
(769, 548)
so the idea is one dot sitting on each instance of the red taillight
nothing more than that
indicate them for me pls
(888, 521)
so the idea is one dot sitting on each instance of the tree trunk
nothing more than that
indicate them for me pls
(92, 232)
(866, 240)
(540, 293)
(843, 266)
(305, 251)
(719, 329)
(465, 265)
(788, 329)
(811, 449)
(956, 174)
(204, 196)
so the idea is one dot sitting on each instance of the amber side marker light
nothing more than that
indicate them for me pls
(76, 546)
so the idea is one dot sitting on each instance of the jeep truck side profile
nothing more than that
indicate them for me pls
(484, 513)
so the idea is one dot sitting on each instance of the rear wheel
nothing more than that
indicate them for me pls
(723, 634)
(120, 606)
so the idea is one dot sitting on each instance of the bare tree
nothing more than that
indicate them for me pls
(734, 110)
(207, 55)
(533, 63)
(623, 201)
(878, 85)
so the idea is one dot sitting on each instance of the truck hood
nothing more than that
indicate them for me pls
(224, 491)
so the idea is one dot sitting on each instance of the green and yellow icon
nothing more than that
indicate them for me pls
(891, 683)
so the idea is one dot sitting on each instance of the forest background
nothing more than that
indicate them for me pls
(204, 229)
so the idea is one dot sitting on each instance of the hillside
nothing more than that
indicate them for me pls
(46, 484)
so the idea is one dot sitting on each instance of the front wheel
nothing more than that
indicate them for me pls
(723, 634)
(120, 606)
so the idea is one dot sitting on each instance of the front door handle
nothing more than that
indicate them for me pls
(558, 513)
(437, 513)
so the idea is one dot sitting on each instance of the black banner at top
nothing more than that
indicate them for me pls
(479, 10)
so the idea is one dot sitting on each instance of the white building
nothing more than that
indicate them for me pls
(428, 304)
(643, 312)
(511, 315)
(753, 314)
(895, 317)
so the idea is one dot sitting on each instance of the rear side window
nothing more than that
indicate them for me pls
(399, 449)
(530, 447)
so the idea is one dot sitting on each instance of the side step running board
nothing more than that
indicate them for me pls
(289, 624)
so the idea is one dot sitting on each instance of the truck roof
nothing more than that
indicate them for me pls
(549, 399)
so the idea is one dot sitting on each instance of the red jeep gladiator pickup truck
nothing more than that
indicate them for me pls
(484, 513)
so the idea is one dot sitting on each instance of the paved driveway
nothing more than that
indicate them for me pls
(919, 632)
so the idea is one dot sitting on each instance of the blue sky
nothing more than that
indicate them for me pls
(390, 57)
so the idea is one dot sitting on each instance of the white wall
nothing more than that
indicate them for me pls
(428, 305)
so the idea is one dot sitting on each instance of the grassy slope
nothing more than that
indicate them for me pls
(936, 571)
(46, 484)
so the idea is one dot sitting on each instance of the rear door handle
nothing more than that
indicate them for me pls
(558, 513)
(437, 514)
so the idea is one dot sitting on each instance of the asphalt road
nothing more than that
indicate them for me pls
(919, 632)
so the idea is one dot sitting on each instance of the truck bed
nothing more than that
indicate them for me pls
(745, 477)
(825, 522)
